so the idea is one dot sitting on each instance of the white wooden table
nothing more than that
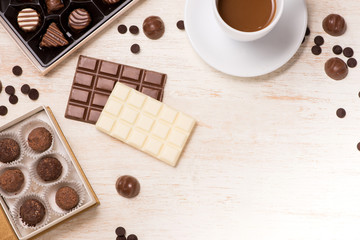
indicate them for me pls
(269, 159)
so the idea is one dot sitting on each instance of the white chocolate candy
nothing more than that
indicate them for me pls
(28, 19)
(146, 124)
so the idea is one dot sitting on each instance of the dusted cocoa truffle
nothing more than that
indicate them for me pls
(32, 212)
(9, 150)
(66, 198)
(128, 186)
(334, 25)
(154, 27)
(12, 180)
(336, 68)
(49, 169)
(40, 139)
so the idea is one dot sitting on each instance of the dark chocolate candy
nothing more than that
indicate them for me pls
(3, 110)
(32, 212)
(341, 113)
(49, 169)
(13, 99)
(12, 180)
(120, 231)
(79, 19)
(316, 50)
(9, 149)
(351, 62)
(134, 30)
(53, 37)
(25, 89)
(154, 27)
(180, 25)
(122, 29)
(66, 198)
(135, 48)
(17, 70)
(348, 52)
(336, 68)
(319, 40)
(95, 79)
(337, 50)
(33, 94)
(128, 186)
(10, 90)
(334, 25)
(54, 5)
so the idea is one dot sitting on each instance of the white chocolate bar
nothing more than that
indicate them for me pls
(146, 124)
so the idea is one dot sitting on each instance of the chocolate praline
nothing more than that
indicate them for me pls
(128, 186)
(40, 139)
(12, 180)
(49, 169)
(79, 19)
(154, 27)
(66, 198)
(336, 68)
(334, 25)
(32, 212)
(9, 150)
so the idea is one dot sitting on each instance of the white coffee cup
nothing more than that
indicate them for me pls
(248, 36)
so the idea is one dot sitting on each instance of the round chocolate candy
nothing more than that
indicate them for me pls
(10, 90)
(128, 186)
(17, 71)
(351, 62)
(180, 25)
(12, 180)
(49, 169)
(28, 19)
(336, 68)
(3, 110)
(135, 48)
(0, 87)
(334, 25)
(40, 139)
(154, 27)
(25, 89)
(9, 148)
(67, 198)
(134, 30)
(33, 94)
(32, 212)
(337, 50)
(79, 19)
(122, 29)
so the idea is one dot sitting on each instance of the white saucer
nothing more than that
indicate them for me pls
(240, 58)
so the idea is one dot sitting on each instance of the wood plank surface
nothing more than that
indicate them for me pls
(269, 159)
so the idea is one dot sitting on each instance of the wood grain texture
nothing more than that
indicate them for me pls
(269, 159)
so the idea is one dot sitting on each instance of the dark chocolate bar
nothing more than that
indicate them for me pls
(95, 79)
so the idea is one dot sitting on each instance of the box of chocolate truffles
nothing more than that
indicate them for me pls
(47, 31)
(41, 181)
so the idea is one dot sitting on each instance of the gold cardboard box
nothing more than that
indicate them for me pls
(8, 228)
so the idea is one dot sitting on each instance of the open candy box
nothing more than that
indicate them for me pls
(49, 30)
(41, 181)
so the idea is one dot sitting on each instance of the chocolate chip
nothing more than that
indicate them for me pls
(180, 25)
(319, 40)
(358, 146)
(3, 110)
(348, 52)
(17, 70)
(120, 238)
(316, 50)
(132, 237)
(33, 94)
(122, 29)
(0, 87)
(135, 48)
(307, 33)
(13, 99)
(120, 231)
(10, 90)
(25, 89)
(337, 49)
(341, 113)
(351, 62)
(134, 30)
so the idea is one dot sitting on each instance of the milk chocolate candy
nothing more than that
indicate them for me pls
(154, 27)
(336, 68)
(79, 19)
(95, 79)
(28, 19)
(334, 25)
(53, 37)
(54, 5)
(110, 2)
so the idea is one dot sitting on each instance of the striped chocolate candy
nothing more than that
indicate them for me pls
(53, 37)
(79, 19)
(111, 1)
(28, 19)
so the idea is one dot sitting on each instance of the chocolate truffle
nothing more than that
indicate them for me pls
(128, 186)
(28, 19)
(336, 68)
(154, 27)
(49, 169)
(79, 19)
(32, 212)
(54, 5)
(334, 25)
(53, 37)
(9, 150)
(40, 139)
(66, 198)
(12, 180)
